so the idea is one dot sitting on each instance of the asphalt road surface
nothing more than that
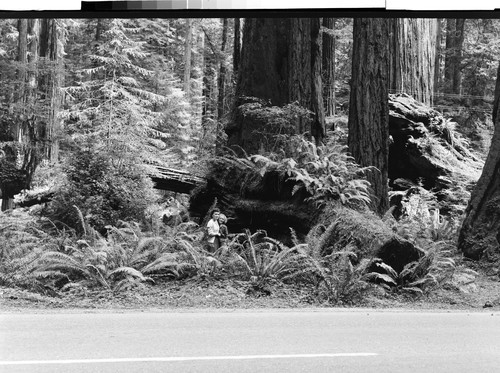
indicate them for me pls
(251, 341)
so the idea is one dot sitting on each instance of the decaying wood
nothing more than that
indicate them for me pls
(366, 235)
(424, 148)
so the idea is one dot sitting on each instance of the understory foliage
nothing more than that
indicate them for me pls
(101, 190)
(433, 269)
(327, 173)
(37, 255)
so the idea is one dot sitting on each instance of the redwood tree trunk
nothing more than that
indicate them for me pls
(413, 50)
(480, 231)
(318, 130)
(22, 58)
(187, 56)
(457, 56)
(237, 46)
(51, 42)
(278, 60)
(222, 71)
(368, 137)
(33, 49)
(329, 67)
(437, 63)
(453, 55)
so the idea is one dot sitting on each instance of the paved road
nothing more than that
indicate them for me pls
(259, 341)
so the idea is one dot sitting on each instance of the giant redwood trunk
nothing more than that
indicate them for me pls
(280, 59)
(480, 232)
(368, 138)
(413, 50)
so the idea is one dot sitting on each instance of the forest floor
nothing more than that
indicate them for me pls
(481, 293)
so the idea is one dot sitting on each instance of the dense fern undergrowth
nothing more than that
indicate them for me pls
(40, 255)
(106, 229)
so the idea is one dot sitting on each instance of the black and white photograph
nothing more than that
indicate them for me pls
(276, 192)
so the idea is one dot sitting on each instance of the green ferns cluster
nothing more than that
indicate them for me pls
(326, 173)
(35, 255)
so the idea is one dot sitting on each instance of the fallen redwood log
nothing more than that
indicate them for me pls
(366, 235)
(425, 147)
(264, 201)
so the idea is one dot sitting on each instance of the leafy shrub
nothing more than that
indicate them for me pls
(104, 191)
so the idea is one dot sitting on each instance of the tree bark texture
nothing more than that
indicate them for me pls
(51, 45)
(412, 61)
(278, 60)
(437, 63)
(450, 42)
(329, 67)
(480, 231)
(318, 130)
(222, 71)
(368, 138)
(33, 53)
(187, 55)
(22, 58)
(237, 46)
(457, 56)
(453, 55)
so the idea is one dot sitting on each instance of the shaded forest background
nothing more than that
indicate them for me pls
(117, 136)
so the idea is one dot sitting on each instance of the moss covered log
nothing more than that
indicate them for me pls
(366, 235)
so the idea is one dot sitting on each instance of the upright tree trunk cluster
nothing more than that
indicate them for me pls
(38, 97)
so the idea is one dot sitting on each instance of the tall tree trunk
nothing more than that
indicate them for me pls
(329, 67)
(22, 58)
(222, 71)
(457, 56)
(448, 57)
(209, 75)
(437, 63)
(51, 42)
(276, 66)
(480, 231)
(187, 56)
(318, 130)
(19, 98)
(33, 49)
(412, 49)
(237, 47)
(368, 138)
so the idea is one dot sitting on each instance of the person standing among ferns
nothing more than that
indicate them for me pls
(213, 231)
(222, 229)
